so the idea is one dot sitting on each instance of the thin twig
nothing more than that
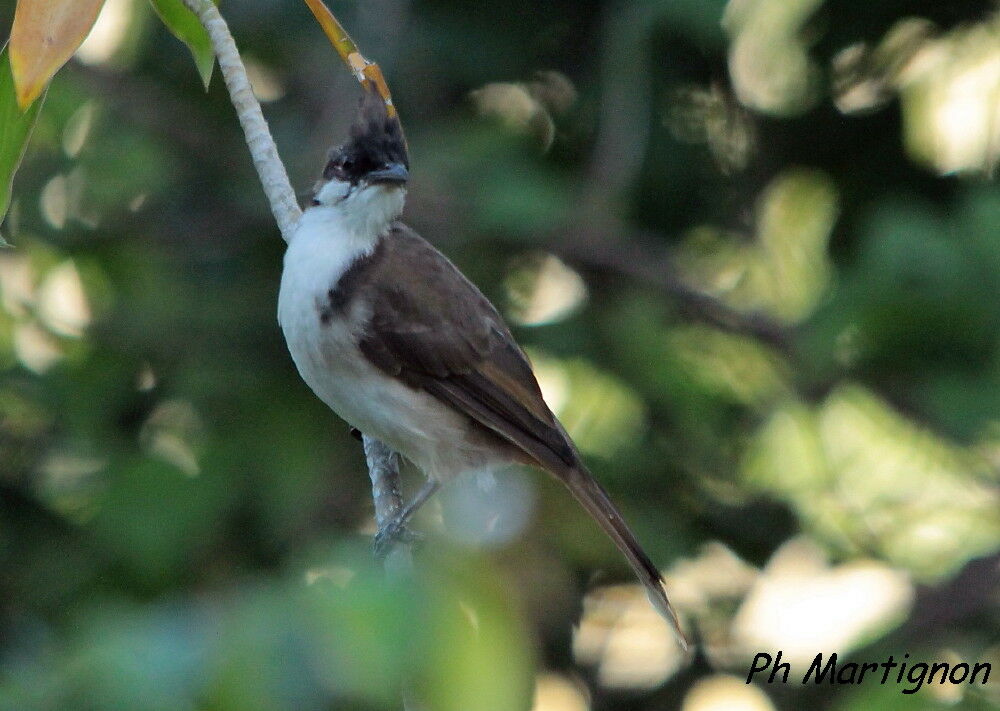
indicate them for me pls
(368, 73)
(383, 468)
(270, 169)
(631, 254)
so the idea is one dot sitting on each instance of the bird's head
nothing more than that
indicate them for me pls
(365, 178)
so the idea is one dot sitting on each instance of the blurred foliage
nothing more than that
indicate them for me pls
(753, 248)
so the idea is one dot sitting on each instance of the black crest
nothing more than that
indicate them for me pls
(376, 141)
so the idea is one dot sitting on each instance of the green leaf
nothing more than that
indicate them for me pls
(186, 27)
(15, 128)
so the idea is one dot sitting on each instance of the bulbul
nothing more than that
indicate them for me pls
(399, 343)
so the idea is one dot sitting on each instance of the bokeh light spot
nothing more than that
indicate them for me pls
(722, 692)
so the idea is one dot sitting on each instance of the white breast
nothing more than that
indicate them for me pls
(326, 354)
(327, 357)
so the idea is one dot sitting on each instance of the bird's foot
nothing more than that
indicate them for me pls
(395, 531)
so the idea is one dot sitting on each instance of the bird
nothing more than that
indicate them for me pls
(399, 343)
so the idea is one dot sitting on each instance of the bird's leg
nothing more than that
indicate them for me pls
(395, 529)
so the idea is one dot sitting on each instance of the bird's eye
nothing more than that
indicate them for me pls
(342, 169)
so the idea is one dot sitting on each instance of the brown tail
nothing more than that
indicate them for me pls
(595, 499)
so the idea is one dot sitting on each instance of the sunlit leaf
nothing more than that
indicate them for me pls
(15, 127)
(186, 27)
(839, 466)
(45, 35)
(769, 59)
(786, 271)
(601, 414)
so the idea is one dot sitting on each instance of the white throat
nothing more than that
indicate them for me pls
(330, 237)
(361, 212)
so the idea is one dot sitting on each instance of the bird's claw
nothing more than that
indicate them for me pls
(396, 531)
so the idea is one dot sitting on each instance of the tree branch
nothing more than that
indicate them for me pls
(383, 468)
(632, 255)
(270, 169)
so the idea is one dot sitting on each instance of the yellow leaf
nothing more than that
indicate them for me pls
(45, 35)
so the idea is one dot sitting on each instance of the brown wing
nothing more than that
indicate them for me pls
(442, 335)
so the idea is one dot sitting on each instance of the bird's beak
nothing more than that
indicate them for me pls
(392, 174)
